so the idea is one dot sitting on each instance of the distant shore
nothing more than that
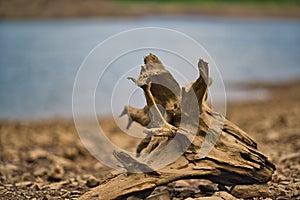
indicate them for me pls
(31, 9)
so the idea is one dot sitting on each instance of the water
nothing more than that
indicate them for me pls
(39, 59)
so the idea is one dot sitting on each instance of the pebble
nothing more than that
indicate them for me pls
(7, 169)
(250, 191)
(75, 192)
(2, 190)
(24, 184)
(56, 173)
(70, 153)
(57, 185)
(8, 193)
(181, 183)
(66, 194)
(273, 135)
(98, 166)
(36, 186)
(74, 182)
(62, 161)
(164, 195)
(40, 171)
(206, 198)
(8, 185)
(92, 182)
(184, 192)
(27, 177)
(291, 156)
(208, 189)
(36, 154)
(47, 197)
(285, 182)
(224, 195)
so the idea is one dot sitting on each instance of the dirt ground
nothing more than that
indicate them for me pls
(46, 160)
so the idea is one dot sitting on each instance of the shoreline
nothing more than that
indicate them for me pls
(59, 9)
(264, 88)
(48, 155)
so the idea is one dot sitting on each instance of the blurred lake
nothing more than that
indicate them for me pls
(39, 59)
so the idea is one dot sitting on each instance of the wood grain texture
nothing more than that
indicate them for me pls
(211, 147)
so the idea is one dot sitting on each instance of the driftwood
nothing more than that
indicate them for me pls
(208, 145)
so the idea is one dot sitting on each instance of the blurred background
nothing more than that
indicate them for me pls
(44, 42)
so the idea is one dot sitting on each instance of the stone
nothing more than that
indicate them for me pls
(250, 191)
(27, 177)
(70, 153)
(36, 154)
(291, 156)
(184, 192)
(66, 195)
(208, 198)
(57, 185)
(56, 173)
(224, 195)
(285, 182)
(47, 197)
(164, 195)
(273, 135)
(75, 192)
(7, 169)
(74, 182)
(2, 191)
(98, 166)
(207, 189)
(67, 163)
(24, 184)
(92, 182)
(36, 186)
(8, 185)
(181, 183)
(40, 171)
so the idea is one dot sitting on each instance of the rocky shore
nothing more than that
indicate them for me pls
(46, 160)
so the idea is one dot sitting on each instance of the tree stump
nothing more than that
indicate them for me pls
(208, 145)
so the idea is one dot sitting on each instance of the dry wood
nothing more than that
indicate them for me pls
(182, 115)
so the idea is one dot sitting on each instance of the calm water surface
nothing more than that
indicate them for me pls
(39, 59)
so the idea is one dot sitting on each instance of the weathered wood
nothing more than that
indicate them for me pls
(171, 111)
